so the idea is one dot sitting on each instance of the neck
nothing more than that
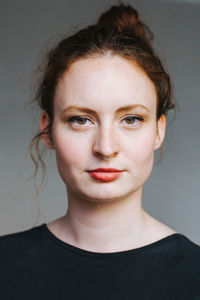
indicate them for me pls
(103, 226)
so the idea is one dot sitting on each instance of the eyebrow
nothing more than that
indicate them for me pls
(119, 110)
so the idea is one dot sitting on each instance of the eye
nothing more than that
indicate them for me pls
(79, 120)
(133, 120)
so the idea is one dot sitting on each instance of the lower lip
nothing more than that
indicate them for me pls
(105, 176)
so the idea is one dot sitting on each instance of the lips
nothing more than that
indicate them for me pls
(105, 174)
(105, 170)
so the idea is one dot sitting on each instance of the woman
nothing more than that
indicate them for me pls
(104, 98)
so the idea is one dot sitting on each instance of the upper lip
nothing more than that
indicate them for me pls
(105, 170)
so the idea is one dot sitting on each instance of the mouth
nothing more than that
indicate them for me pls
(105, 170)
(105, 174)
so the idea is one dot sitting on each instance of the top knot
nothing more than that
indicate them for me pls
(125, 18)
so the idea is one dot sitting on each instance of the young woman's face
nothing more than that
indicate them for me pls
(104, 107)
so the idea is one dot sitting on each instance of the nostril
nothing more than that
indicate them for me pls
(106, 157)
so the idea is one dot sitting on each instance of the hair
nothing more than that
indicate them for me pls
(118, 31)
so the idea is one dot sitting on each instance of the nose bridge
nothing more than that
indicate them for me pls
(105, 140)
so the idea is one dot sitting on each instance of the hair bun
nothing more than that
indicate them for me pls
(125, 18)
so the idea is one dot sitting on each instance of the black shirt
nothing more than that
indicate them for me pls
(35, 264)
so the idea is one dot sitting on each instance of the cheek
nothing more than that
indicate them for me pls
(141, 148)
(141, 156)
(70, 151)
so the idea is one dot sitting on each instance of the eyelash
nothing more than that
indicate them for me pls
(75, 118)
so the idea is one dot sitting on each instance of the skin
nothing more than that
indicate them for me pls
(105, 216)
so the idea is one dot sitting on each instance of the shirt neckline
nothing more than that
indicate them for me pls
(85, 252)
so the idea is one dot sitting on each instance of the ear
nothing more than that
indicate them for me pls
(46, 138)
(161, 127)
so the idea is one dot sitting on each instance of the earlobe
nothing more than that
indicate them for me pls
(161, 127)
(44, 121)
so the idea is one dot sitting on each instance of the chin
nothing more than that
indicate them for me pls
(108, 193)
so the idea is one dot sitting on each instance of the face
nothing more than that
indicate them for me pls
(104, 106)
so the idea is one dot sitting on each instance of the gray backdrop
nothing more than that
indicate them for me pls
(26, 29)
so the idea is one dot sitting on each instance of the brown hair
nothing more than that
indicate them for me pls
(119, 31)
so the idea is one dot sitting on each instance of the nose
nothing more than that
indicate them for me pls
(105, 142)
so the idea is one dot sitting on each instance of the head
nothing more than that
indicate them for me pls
(104, 67)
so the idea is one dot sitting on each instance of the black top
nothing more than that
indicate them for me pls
(36, 265)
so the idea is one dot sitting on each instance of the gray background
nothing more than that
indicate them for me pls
(27, 28)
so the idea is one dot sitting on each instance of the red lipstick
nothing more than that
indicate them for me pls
(105, 174)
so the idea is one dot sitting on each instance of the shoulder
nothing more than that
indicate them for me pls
(19, 243)
(186, 248)
(21, 235)
(190, 251)
(190, 248)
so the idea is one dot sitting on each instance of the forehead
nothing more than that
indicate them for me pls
(105, 82)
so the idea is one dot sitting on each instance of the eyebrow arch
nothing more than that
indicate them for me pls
(119, 110)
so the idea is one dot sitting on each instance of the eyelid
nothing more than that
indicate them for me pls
(86, 117)
(136, 117)
(71, 119)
